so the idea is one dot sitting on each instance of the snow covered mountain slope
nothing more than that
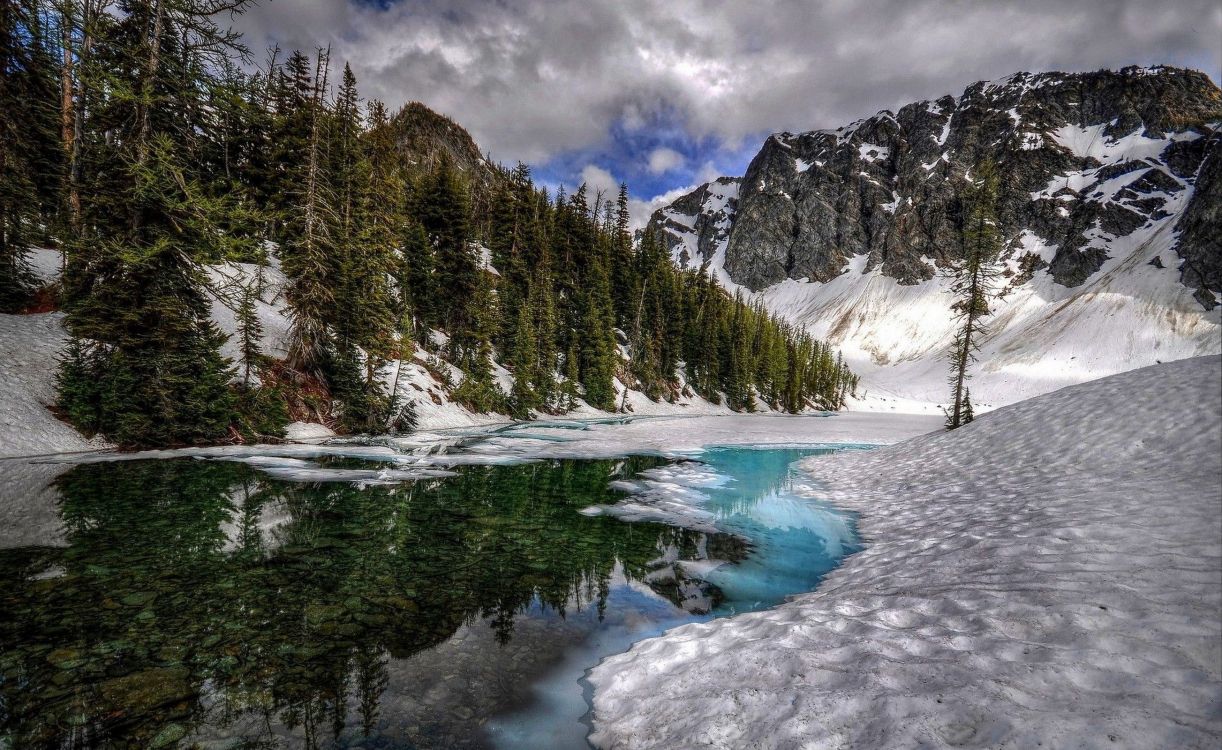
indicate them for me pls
(1047, 576)
(1110, 208)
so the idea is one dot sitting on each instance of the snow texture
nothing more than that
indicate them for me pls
(1047, 576)
(301, 432)
(1042, 335)
(31, 346)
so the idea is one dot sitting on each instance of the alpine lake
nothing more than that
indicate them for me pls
(208, 603)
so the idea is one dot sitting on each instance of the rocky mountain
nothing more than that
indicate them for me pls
(1110, 207)
(425, 136)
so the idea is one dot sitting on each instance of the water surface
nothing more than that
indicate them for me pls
(205, 603)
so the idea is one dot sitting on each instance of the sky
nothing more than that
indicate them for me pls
(668, 94)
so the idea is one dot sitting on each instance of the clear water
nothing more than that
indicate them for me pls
(203, 603)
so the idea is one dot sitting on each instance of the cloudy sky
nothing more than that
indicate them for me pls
(667, 94)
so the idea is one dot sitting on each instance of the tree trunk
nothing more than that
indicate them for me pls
(67, 117)
(146, 86)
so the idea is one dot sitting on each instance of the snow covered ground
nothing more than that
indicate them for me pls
(1043, 336)
(1050, 575)
(31, 345)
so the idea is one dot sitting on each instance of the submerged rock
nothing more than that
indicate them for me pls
(141, 692)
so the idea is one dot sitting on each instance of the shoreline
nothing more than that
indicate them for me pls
(970, 618)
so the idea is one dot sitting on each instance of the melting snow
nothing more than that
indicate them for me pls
(1048, 575)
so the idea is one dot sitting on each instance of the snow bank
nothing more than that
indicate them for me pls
(1048, 575)
(1042, 336)
(31, 346)
(302, 432)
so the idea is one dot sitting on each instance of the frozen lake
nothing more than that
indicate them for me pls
(442, 590)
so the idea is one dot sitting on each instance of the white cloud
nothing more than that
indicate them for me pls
(535, 78)
(599, 180)
(662, 160)
(707, 173)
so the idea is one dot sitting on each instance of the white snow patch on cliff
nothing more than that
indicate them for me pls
(873, 153)
(1042, 335)
(1092, 142)
(1050, 575)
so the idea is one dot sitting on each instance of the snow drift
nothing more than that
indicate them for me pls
(1049, 575)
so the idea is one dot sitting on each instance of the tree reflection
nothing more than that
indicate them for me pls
(200, 593)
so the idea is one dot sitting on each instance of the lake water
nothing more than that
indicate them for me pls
(207, 603)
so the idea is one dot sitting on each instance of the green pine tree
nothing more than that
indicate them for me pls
(31, 159)
(972, 281)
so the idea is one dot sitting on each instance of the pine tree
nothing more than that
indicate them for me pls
(441, 207)
(525, 364)
(623, 278)
(233, 150)
(250, 328)
(972, 282)
(367, 319)
(416, 282)
(30, 155)
(308, 252)
(144, 367)
(543, 312)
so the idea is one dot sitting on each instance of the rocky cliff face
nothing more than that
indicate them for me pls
(424, 136)
(697, 225)
(1085, 159)
(1111, 209)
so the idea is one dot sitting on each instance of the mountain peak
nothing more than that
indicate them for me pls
(887, 186)
(1110, 207)
(424, 135)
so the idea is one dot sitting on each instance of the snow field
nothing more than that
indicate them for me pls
(31, 345)
(1047, 576)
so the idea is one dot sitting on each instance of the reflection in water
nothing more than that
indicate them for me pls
(203, 603)
(199, 598)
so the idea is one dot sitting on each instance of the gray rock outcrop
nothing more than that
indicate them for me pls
(1086, 160)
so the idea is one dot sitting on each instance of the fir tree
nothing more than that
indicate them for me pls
(416, 282)
(308, 252)
(543, 313)
(143, 340)
(441, 208)
(524, 364)
(250, 328)
(30, 155)
(972, 282)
